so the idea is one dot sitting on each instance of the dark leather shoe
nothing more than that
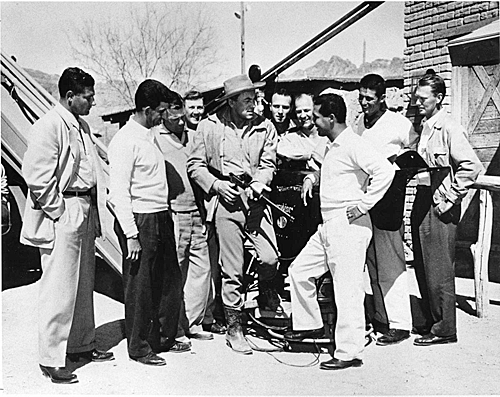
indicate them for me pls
(99, 356)
(175, 347)
(339, 364)
(150, 359)
(215, 328)
(297, 336)
(392, 337)
(93, 355)
(58, 374)
(431, 339)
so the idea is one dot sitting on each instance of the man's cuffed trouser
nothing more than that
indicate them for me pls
(231, 223)
(194, 262)
(341, 248)
(386, 264)
(66, 305)
(433, 239)
(152, 285)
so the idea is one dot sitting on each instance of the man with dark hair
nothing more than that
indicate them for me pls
(185, 201)
(390, 133)
(237, 141)
(138, 194)
(64, 207)
(281, 109)
(354, 177)
(436, 212)
(193, 109)
(301, 143)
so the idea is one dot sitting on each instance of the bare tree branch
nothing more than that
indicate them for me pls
(164, 41)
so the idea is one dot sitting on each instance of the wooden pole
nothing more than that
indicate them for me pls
(481, 252)
(243, 64)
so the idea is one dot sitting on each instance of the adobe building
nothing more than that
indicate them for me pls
(460, 41)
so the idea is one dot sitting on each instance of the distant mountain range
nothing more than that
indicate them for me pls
(336, 67)
(339, 67)
(108, 102)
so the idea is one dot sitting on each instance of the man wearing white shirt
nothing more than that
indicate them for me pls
(390, 133)
(354, 177)
(301, 142)
(138, 194)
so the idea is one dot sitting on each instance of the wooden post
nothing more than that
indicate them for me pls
(481, 252)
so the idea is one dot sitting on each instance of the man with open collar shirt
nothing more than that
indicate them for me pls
(390, 133)
(236, 140)
(436, 212)
(354, 177)
(65, 204)
(303, 143)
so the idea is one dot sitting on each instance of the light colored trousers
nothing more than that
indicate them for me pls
(194, 262)
(65, 301)
(341, 248)
(213, 312)
(233, 225)
(389, 280)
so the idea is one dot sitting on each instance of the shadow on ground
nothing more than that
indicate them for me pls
(108, 336)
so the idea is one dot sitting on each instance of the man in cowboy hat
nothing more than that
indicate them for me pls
(237, 141)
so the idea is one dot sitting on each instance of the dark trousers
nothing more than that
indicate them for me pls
(152, 285)
(434, 261)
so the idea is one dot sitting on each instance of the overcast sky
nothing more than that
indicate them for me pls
(38, 33)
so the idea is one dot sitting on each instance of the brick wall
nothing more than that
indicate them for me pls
(427, 23)
(429, 26)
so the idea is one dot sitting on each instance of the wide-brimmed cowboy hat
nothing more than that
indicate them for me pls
(238, 84)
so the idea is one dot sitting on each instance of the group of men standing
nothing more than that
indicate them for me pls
(179, 216)
(355, 174)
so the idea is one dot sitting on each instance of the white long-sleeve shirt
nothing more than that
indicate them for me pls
(137, 176)
(353, 174)
(390, 134)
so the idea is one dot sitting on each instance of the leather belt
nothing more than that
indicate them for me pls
(76, 193)
(244, 177)
(215, 172)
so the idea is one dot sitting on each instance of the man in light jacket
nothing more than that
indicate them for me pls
(436, 212)
(66, 193)
(237, 141)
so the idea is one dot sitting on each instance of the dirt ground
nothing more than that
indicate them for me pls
(470, 367)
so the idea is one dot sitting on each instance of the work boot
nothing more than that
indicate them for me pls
(234, 334)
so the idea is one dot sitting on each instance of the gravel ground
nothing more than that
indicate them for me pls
(470, 367)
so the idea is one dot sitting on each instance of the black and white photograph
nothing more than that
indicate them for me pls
(250, 198)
